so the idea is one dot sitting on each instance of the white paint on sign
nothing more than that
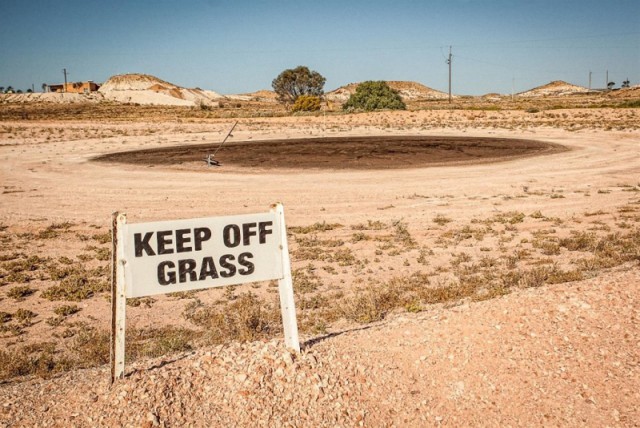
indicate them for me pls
(182, 255)
(169, 256)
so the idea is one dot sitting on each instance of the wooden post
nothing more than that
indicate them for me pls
(118, 297)
(285, 288)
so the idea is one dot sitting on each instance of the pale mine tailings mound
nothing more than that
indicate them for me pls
(264, 95)
(626, 93)
(407, 90)
(555, 88)
(146, 89)
(51, 97)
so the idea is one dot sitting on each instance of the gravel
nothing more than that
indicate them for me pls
(564, 355)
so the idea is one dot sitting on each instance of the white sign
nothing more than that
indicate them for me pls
(169, 256)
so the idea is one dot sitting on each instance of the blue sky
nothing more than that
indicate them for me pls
(241, 46)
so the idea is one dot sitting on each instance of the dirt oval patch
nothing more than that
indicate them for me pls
(341, 153)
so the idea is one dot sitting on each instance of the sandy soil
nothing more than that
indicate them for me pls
(63, 184)
(561, 356)
(565, 354)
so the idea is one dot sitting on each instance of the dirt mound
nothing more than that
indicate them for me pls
(415, 91)
(627, 93)
(407, 90)
(492, 96)
(51, 97)
(555, 88)
(147, 89)
(263, 95)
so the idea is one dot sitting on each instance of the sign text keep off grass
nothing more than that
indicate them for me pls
(182, 255)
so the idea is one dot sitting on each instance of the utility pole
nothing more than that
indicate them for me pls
(513, 84)
(589, 80)
(449, 62)
(606, 84)
(64, 88)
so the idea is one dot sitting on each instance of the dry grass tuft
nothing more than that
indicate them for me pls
(20, 292)
(246, 318)
(314, 228)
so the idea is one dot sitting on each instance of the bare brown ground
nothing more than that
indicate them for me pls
(337, 153)
(563, 354)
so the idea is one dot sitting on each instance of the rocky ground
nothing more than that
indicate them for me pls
(563, 355)
(495, 294)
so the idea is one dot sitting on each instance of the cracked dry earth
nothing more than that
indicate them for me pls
(563, 355)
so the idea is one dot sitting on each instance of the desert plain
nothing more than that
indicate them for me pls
(485, 288)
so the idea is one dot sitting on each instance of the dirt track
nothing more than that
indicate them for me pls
(363, 153)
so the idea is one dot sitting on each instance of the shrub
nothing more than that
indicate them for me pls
(307, 103)
(372, 95)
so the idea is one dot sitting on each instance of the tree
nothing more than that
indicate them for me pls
(44, 87)
(1, 89)
(292, 83)
(9, 90)
(610, 85)
(29, 91)
(374, 95)
(626, 84)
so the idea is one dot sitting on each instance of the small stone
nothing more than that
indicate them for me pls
(287, 358)
(312, 359)
(153, 418)
(616, 415)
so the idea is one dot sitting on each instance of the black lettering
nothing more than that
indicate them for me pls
(201, 234)
(263, 231)
(187, 267)
(164, 240)
(142, 244)
(164, 277)
(208, 269)
(226, 235)
(248, 232)
(181, 240)
(230, 267)
(249, 266)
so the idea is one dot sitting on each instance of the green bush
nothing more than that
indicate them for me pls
(307, 103)
(372, 95)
